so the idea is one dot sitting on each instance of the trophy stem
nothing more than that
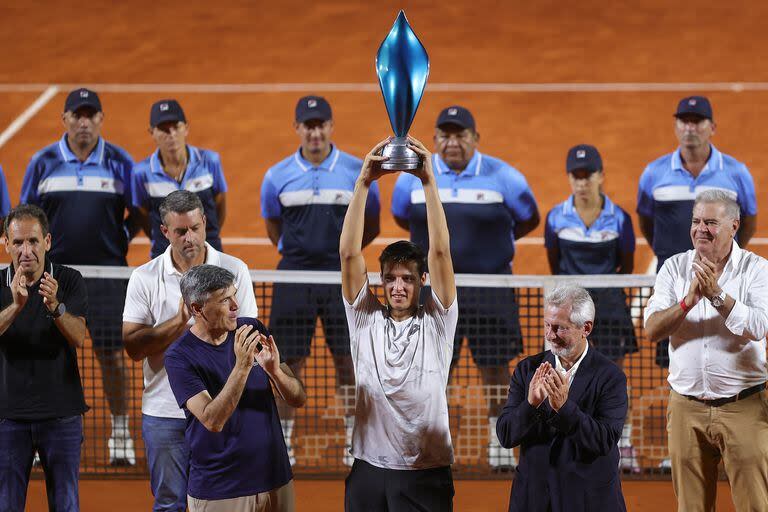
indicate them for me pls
(401, 157)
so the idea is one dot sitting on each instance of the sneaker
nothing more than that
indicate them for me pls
(36, 461)
(500, 458)
(628, 460)
(121, 452)
(666, 466)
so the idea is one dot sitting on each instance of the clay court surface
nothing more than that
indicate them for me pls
(539, 78)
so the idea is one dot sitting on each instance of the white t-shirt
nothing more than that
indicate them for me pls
(401, 375)
(153, 297)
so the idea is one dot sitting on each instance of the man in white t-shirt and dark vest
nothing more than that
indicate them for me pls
(401, 353)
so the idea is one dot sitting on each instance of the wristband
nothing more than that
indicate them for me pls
(683, 306)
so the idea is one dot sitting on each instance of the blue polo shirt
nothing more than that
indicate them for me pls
(596, 249)
(203, 176)
(311, 202)
(667, 191)
(5, 199)
(86, 202)
(248, 456)
(482, 205)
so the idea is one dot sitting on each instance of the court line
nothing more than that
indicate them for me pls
(557, 87)
(533, 240)
(28, 114)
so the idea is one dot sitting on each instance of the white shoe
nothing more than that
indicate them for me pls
(666, 464)
(36, 461)
(500, 458)
(121, 452)
(628, 460)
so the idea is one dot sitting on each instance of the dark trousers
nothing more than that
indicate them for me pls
(57, 441)
(372, 489)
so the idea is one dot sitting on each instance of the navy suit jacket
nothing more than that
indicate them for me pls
(569, 460)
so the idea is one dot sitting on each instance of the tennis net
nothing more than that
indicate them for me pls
(500, 318)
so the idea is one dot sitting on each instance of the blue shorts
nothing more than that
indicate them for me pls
(106, 300)
(293, 313)
(614, 332)
(490, 320)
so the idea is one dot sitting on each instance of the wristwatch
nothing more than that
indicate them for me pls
(60, 310)
(718, 300)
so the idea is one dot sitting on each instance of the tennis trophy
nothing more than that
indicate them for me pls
(402, 66)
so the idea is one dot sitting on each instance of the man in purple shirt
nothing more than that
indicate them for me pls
(222, 372)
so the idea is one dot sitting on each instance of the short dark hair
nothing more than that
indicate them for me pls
(403, 252)
(180, 201)
(27, 211)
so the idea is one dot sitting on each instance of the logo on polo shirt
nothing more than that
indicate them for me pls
(692, 101)
(452, 111)
(163, 107)
(311, 103)
(581, 153)
(83, 94)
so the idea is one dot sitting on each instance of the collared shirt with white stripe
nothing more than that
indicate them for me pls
(153, 297)
(667, 190)
(711, 357)
(85, 202)
(595, 249)
(482, 204)
(203, 176)
(311, 202)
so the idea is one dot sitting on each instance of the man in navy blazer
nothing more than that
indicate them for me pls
(566, 409)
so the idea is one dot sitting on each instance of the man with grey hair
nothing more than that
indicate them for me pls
(222, 373)
(565, 409)
(154, 317)
(712, 302)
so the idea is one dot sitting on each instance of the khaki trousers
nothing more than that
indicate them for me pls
(281, 499)
(700, 436)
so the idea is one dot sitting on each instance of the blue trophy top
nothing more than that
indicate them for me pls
(402, 65)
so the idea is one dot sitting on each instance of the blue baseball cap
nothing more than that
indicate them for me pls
(584, 157)
(82, 98)
(694, 106)
(313, 107)
(166, 110)
(457, 115)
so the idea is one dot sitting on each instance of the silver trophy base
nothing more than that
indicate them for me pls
(401, 157)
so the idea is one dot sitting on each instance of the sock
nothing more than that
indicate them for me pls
(349, 425)
(287, 426)
(120, 426)
(492, 430)
(626, 435)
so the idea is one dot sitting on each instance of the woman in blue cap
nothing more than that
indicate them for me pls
(590, 234)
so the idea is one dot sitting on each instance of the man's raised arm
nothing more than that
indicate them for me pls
(353, 271)
(439, 260)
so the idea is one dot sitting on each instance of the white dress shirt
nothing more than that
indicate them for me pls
(710, 356)
(571, 372)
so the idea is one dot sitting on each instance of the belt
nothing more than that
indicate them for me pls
(717, 402)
